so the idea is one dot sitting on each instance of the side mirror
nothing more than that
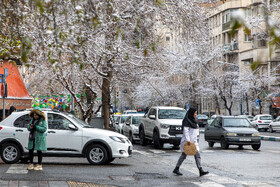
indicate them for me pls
(127, 124)
(152, 116)
(72, 127)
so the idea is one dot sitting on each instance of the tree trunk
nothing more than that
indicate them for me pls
(106, 101)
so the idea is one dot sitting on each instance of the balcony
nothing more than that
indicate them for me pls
(226, 26)
(230, 47)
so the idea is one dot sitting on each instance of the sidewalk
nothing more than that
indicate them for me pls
(15, 183)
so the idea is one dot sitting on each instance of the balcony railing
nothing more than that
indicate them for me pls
(230, 47)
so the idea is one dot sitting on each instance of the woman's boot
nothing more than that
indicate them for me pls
(201, 172)
(176, 171)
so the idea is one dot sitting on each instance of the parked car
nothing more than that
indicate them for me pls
(66, 136)
(274, 125)
(201, 120)
(208, 114)
(131, 127)
(261, 121)
(120, 122)
(162, 124)
(130, 112)
(232, 130)
(250, 118)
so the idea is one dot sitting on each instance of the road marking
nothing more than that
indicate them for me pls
(146, 153)
(17, 169)
(208, 184)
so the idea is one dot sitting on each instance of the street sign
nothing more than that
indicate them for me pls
(187, 106)
(257, 104)
(1, 78)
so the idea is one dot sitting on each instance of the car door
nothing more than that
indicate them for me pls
(60, 138)
(126, 126)
(20, 130)
(151, 122)
(209, 130)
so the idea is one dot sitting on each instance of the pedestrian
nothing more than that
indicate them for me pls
(37, 137)
(11, 110)
(190, 132)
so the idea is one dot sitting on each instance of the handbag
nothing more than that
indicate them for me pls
(189, 149)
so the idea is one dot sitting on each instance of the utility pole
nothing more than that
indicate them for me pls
(4, 89)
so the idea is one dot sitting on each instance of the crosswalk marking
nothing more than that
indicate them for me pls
(17, 169)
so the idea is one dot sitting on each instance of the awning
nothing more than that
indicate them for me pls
(18, 95)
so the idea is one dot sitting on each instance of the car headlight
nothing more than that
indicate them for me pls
(256, 134)
(117, 139)
(164, 126)
(231, 134)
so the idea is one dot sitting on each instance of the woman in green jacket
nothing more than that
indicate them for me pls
(37, 138)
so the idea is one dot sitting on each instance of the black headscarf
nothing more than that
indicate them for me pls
(189, 120)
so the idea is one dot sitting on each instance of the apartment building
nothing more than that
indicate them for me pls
(241, 49)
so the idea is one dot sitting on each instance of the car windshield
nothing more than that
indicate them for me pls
(171, 114)
(266, 118)
(236, 122)
(79, 121)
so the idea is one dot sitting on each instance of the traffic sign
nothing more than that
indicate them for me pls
(257, 104)
(187, 106)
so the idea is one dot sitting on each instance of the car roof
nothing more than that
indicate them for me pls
(167, 107)
(263, 115)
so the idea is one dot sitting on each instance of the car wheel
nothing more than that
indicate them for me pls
(143, 141)
(270, 129)
(211, 144)
(131, 137)
(256, 147)
(97, 154)
(10, 153)
(224, 144)
(157, 143)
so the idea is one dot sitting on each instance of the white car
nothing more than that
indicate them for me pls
(120, 122)
(274, 125)
(162, 124)
(66, 136)
(130, 112)
(261, 121)
(131, 127)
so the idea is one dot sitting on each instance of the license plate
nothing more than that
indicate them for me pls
(244, 139)
(178, 135)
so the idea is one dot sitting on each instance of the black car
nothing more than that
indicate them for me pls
(202, 120)
(232, 130)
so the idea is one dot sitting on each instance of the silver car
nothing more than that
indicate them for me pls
(261, 121)
(274, 125)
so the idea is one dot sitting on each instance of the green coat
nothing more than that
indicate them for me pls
(40, 137)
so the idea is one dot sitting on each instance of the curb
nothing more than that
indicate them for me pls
(268, 138)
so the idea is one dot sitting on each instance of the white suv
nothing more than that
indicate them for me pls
(162, 125)
(66, 136)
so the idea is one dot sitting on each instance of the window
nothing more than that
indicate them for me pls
(248, 62)
(56, 121)
(22, 121)
(167, 38)
(135, 121)
(246, 37)
(128, 120)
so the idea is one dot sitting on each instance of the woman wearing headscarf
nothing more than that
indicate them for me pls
(37, 138)
(190, 133)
